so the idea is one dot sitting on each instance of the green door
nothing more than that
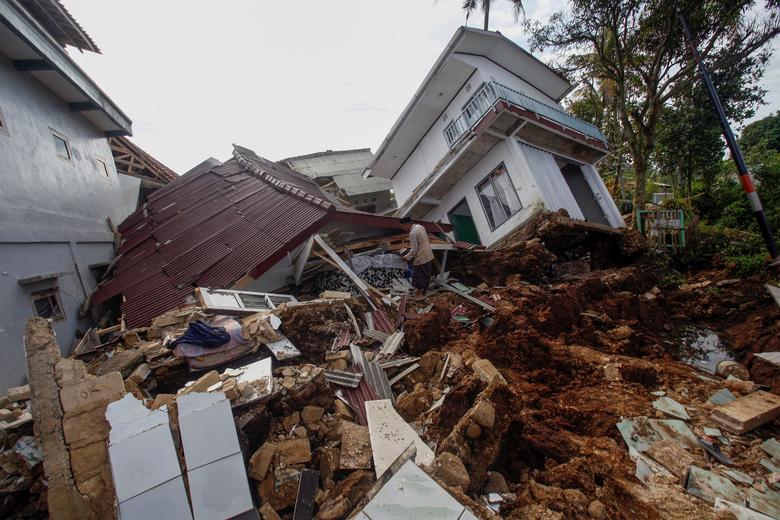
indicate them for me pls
(465, 229)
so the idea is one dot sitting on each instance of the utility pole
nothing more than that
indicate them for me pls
(736, 153)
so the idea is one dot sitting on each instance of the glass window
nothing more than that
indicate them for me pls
(102, 167)
(61, 146)
(47, 304)
(498, 197)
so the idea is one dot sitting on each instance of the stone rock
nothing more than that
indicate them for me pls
(267, 512)
(412, 404)
(473, 430)
(311, 414)
(597, 511)
(19, 393)
(484, 413)
(7, 415)
(612, 372)
(163, 400)
(495, 483)
(343, 410)
(288, 382)
(621, 333)
(485, 371)
(261, 460)
(450, 469)
(300, 431)
(293, 451)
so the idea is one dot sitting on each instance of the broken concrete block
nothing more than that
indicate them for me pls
(163, 400)
(672, 456)
(671, 407)
(202, 384)
(311, 414)
(7, 415)
(355, 448)
(140, 373)
(91, 394)
(342, 410)
(709, 486)
(19, 393)
(390, 435)
(230, 389)
(280, 488)
(261, 460)
(748, 412)
(144, 464)
(123, 362)
(293, 451)
(268, 512)
(335, 295)
(450, 469)
(329, 459)
(215, 465)
(485, 371)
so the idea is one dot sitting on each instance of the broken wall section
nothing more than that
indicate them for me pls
(69, 408)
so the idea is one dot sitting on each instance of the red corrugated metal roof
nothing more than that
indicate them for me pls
(211, 227)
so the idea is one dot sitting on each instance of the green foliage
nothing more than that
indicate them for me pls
(748, 265)
(761, 134)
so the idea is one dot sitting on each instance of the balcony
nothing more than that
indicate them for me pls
(488, 98)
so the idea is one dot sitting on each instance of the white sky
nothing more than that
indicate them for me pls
(283, 78)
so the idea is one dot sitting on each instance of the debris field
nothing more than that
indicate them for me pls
(555, 376)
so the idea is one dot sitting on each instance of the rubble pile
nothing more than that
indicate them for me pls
(552, 386)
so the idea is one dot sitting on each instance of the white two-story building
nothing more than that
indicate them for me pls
(484, 142)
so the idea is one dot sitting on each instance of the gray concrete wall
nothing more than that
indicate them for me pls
(53, 211)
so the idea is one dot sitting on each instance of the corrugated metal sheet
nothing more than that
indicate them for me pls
(357, 397)
(550, 181)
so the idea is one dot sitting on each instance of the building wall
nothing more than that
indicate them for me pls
(433, 146)
(521, 178)
(53, 211)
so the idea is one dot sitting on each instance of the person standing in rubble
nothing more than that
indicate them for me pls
(420, 255)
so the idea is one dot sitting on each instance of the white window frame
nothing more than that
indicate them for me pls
(52, 292)
(59, 135)
(489, 178)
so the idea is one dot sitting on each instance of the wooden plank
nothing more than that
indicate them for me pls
(468, 297)
(748, 412)
(354, 321)
(361, 285)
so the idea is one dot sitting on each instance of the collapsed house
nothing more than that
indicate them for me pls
(535, 386)
(60, 178)
(340, 173)
(246, 223)
(484, 142)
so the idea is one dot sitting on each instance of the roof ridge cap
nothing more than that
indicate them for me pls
(278, 184)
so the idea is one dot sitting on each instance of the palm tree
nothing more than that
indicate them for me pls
(471, 5)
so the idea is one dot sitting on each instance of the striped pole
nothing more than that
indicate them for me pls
(736, 153)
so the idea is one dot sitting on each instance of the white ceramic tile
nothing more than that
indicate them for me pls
(413, 495)
(167, 501)
(220, 490)
(208, 432)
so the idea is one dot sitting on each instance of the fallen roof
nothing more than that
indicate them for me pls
(60, 24)
(212, 227)
(331, 163)
(131, 160)
(355, 184)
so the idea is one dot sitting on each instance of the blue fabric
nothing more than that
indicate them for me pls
(204, 335)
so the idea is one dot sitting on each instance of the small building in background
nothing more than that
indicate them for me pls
(59, 179)
(339, 174)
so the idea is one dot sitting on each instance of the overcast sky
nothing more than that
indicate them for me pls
(283, 78)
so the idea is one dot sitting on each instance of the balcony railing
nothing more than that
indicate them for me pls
(490, 92)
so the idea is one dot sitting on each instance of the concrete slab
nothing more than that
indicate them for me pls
(390, 435)
(748, 412)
